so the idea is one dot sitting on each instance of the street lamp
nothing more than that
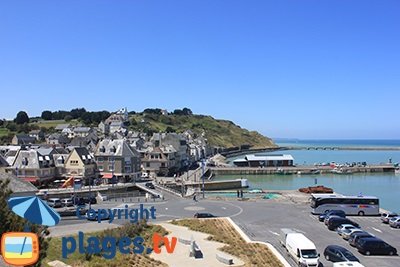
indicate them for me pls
(202, 171)
(112, 170)
(90, 193)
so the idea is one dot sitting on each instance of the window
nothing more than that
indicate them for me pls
(73, 162)
(128, 169)
(111, 167)
(148, 164)
(100, 159)
(163, 164)
(101, 168)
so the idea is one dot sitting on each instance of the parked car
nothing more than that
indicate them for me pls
(337, 254)
(328, 217)
(54, 202)
(343, 227)
(385, 217)
(203, 215)
(94, 214)
(335, 222)
(328, 213)
(347, 233)
(374, 246)
(355, 236)
(78, 201)
(395, 222)
(90, 200)
(67, 202)
(149, 185)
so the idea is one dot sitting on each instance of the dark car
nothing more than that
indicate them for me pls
(337, 254)
(355, 236)
(149, 185)
(92, 215)
(374, 246)
(328, 213)
(90, 200)
(335, 222)
(78, 201)
(203, 215)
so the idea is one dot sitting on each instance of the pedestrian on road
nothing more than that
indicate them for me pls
(237, 193)
(241, 193)
(194, 198)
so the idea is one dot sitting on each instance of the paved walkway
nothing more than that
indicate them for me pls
(180, 257)
(68, 230)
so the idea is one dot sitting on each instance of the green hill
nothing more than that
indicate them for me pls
(220, 133)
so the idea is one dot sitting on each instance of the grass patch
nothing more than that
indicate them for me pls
(4, 132)
(221, 230)
(134, 260)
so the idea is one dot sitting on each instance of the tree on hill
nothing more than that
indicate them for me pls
(184, 111)
(47, 115)
(22, 117)
(10, 222)
(153, 111)
(68, 118)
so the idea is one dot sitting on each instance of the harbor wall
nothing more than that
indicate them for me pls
(298, 170)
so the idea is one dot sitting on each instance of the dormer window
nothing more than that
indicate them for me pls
(113, 149)
(102, 149)
(25, 161)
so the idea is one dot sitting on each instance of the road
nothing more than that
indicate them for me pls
(262, 220)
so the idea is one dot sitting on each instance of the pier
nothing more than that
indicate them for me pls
(300, 170)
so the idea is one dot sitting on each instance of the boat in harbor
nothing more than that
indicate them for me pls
(397, 171)
(341, 171)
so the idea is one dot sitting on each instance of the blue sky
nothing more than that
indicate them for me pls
(306, 69)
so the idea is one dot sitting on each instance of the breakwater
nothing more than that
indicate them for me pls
(300, 170)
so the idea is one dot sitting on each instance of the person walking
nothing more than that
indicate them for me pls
(195, 198)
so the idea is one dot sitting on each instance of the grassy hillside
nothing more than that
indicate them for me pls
(220, 133)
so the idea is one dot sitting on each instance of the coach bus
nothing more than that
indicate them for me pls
(351, 205)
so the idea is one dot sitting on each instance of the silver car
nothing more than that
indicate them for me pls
(395, 222)
(344, 227)
(347, 233)
(385, 217)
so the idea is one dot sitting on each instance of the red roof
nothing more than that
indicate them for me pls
(30, 179)
(107, 176)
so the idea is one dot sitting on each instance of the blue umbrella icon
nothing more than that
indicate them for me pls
(34, 210)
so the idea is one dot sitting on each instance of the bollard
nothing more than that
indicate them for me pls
(130, 200)
(123, 200)
(138, 199)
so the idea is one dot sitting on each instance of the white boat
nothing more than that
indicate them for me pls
(397, 171)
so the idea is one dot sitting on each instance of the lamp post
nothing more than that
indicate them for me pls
(112, 170)
(90, 192)
(202, 172)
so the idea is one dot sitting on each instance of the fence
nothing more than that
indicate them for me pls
(132, 197)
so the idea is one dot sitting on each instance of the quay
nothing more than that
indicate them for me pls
(299, 170)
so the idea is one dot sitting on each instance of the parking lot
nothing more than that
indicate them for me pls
(263, 223)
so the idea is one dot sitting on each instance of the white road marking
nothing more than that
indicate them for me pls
(223, 208)
(380, 231)
(274, 233)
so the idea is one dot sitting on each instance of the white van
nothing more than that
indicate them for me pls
(348, 264)
(301, 249)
